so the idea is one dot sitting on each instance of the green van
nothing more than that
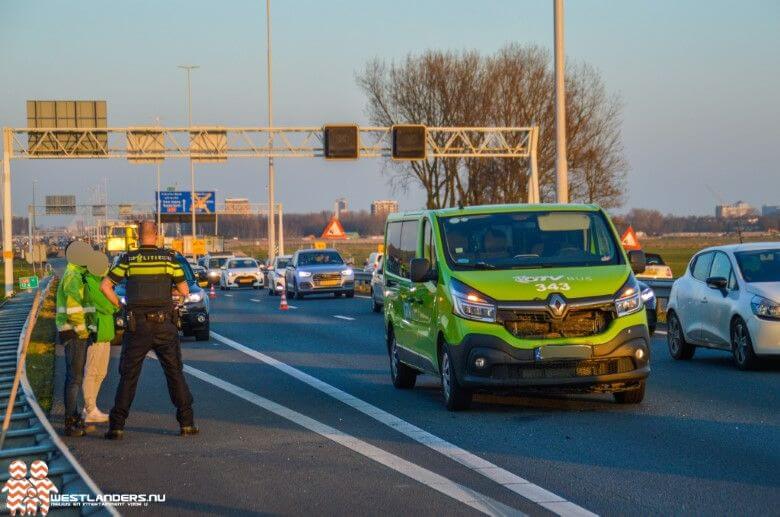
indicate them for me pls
(514, 298)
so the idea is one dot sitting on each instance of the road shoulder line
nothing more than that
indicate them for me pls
(510, 481)
(446, 486)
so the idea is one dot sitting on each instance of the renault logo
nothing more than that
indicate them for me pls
(557, 306)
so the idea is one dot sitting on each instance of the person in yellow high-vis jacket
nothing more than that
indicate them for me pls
(74, 317)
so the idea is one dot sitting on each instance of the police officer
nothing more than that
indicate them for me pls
(150, 273)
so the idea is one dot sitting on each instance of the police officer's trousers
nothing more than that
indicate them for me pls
(163, 338)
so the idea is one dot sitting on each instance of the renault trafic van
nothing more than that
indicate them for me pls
(514, 298)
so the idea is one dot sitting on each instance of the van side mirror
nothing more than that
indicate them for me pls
(638, 261)
(717, 282)
(420, 270)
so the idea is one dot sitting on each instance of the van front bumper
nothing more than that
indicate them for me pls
(483, 361)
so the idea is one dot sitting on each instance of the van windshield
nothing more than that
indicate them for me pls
(524, 240)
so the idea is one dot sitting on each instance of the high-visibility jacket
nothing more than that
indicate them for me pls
(74, 310)
(104, 310)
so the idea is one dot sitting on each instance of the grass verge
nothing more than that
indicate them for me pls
(40, 352)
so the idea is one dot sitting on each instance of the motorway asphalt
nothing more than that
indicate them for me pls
(706, 440)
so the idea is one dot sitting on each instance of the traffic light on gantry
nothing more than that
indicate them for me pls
(409, 142)
(341, 142)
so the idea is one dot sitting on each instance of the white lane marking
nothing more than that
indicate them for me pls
(292, 306)
(363, 296)
(254, 300)
(229, 295)
(346, 318)
(660, 332)
(513, 482)
(422, 475)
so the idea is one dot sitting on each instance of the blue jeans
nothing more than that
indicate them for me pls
(75, 359)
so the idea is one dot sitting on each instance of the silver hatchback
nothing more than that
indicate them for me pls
(312, 271)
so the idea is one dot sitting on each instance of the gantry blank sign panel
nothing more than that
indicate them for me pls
(49, 121)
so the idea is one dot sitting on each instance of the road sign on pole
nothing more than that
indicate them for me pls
(28, 282)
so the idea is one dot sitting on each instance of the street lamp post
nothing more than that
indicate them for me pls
(561, 165)
(159, 201)
(189, 69)
(271, 227)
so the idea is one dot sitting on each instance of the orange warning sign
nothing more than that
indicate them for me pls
(629, 240)
(334, 230)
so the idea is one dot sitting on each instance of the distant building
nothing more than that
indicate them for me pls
(768, 210)
(735, 211)
(384, 207)
(237, 205)
(340, 206)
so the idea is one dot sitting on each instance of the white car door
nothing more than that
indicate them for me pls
(692, 311)
(716, 317)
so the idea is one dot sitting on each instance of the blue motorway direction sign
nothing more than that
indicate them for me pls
(179, 202)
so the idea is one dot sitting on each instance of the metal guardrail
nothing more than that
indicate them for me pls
(30, 436)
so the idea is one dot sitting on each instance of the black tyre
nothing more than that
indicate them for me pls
(298, 294)
(742, 346)
(403, 376)
(456, 397)
(337, 295)
(202, 335)
(376, 307)
(679, 348)
(632, 396)
(350, 294)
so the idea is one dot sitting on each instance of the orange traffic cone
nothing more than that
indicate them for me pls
(283, 300)
(212, 292)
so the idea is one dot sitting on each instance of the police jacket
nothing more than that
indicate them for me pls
(150, 273)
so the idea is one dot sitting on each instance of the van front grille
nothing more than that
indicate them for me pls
(563, 369)
(542, 325)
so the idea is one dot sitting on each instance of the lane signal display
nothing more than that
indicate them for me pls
(341, 142)
(409, 142)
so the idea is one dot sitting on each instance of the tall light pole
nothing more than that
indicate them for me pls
(159, 201)
(561, 165)
(271, 228)
(189, 69)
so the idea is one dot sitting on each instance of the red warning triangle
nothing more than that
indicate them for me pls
(334, 230)
(629, 240)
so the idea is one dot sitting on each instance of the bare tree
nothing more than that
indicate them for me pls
(513, 87)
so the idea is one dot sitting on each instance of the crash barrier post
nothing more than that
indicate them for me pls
(19, 368)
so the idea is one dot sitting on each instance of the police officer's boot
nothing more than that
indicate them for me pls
(74, 427)
(188, 430)
(114, 434)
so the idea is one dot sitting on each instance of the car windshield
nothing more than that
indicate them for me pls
(188, 274)
(759, 265)
(520, 240)
(217, 263)
(282, 263)
(319, 258)
(242, 263)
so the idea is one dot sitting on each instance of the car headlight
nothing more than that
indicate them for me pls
(648, 295)
(628, 299)
(471, 304)
(764, 308)
(194, 298)
(347, 272)
(304, 274)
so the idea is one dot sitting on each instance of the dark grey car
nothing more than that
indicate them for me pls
(312, 271)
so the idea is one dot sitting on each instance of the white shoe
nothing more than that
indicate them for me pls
(95, 417)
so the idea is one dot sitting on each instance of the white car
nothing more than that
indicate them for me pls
(241, 272)
(728, 299)
(275, 274)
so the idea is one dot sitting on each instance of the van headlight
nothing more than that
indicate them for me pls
(194, 298)
(628, 299)
(304, 274)
(764, 308)
(470, 304)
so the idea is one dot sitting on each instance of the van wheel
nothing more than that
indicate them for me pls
(403, 377)
(202, 335)
(632, 396)
(456, 397)
(679, 348)
(742, 346)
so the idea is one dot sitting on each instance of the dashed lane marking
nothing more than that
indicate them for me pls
(346, 318)
(292, 306)
(229, 295)
(446, 486)
(660, 332)
(510, 481)
(254, 300)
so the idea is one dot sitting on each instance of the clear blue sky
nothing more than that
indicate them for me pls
(699, 81)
